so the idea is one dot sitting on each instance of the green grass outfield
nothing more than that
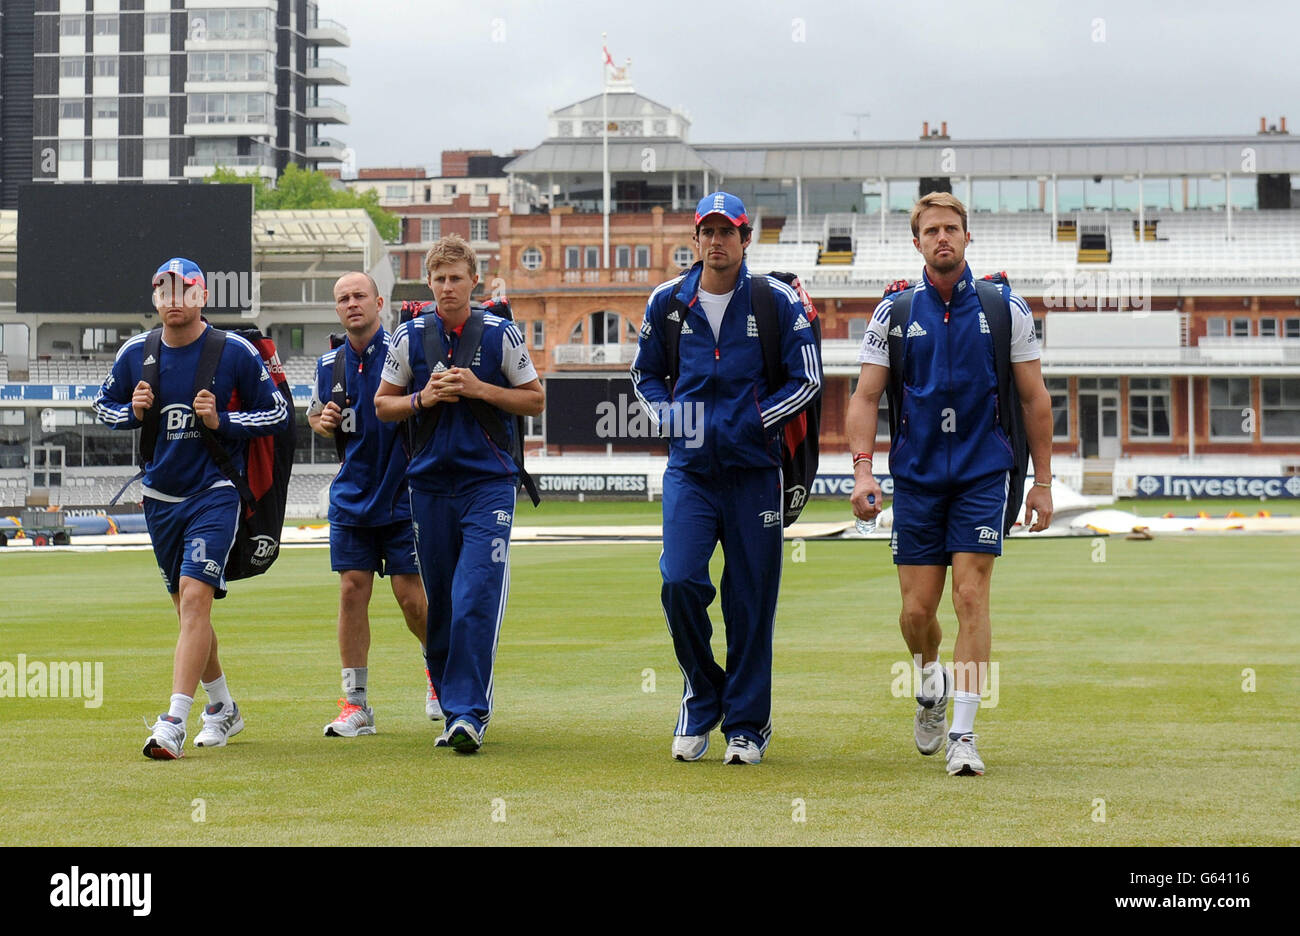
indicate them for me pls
(823, 510)
(1119, 681)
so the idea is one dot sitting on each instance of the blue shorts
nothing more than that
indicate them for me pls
(388, 550)
(193, 537)
(929, 527)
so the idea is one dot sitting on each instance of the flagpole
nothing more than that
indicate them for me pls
(604, 142)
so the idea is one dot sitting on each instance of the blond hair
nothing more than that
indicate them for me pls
(450, 249)
(937, 200)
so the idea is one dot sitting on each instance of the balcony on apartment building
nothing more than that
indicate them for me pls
(326, 148)
(328, 72)
(328, 110)
(327, 32)
(200, 167)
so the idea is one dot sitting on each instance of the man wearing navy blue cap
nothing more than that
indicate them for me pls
(723, 482)
(190, 506)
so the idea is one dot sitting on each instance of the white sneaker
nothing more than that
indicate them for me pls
(963, 759)
(351, 721)
(741, 750)
(167, 739)
(690, 747)
(219, 726)
(931, 727)
(432, 707)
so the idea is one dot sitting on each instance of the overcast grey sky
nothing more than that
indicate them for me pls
(429, 75)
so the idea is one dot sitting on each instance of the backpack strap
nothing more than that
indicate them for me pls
(997, 312)
(339, 394)
(674, 315)
(422, 425)
(214, 343)
(769, 331)
(153, 415)
(899, 313)
(487, 415)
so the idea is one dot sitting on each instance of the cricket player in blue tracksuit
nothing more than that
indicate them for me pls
(462, 486)
(723, 480)
(191, 508)
(370, 512)
(951, 464)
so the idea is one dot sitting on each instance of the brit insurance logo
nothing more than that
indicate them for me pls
(987, 534)
(503, 518)
(770, 518)
(264, 549)
(177, 416)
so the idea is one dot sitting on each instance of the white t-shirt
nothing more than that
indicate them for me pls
(714, 306)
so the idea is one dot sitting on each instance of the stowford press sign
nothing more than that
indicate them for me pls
(1216, 486)
(591, 484)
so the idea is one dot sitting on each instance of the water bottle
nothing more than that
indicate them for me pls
(867, 527)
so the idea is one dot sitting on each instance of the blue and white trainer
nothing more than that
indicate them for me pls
(690, 747)
(167, 740)
(219, 725)
(742, 750)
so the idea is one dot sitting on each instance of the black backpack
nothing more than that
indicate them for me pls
(421, 426)
(338, 392)
(997, 312)
(800, 436)
(264, 486)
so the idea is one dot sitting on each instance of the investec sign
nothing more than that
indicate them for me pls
(1216, 486)
(841, 485)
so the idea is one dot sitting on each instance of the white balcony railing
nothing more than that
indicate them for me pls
(327, 32)
(234, 162)
(840, 353)
(328, 110)
(325, 148)
(595, 354)
(328, 71)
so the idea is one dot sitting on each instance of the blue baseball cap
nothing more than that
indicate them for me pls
(187, 270)
(723, 203)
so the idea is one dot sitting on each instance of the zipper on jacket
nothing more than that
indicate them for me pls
(947, 347)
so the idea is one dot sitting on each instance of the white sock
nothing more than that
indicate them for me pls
(217, 692)
(180, 706)
(354, 685)
(964, 707)
(932, 681)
